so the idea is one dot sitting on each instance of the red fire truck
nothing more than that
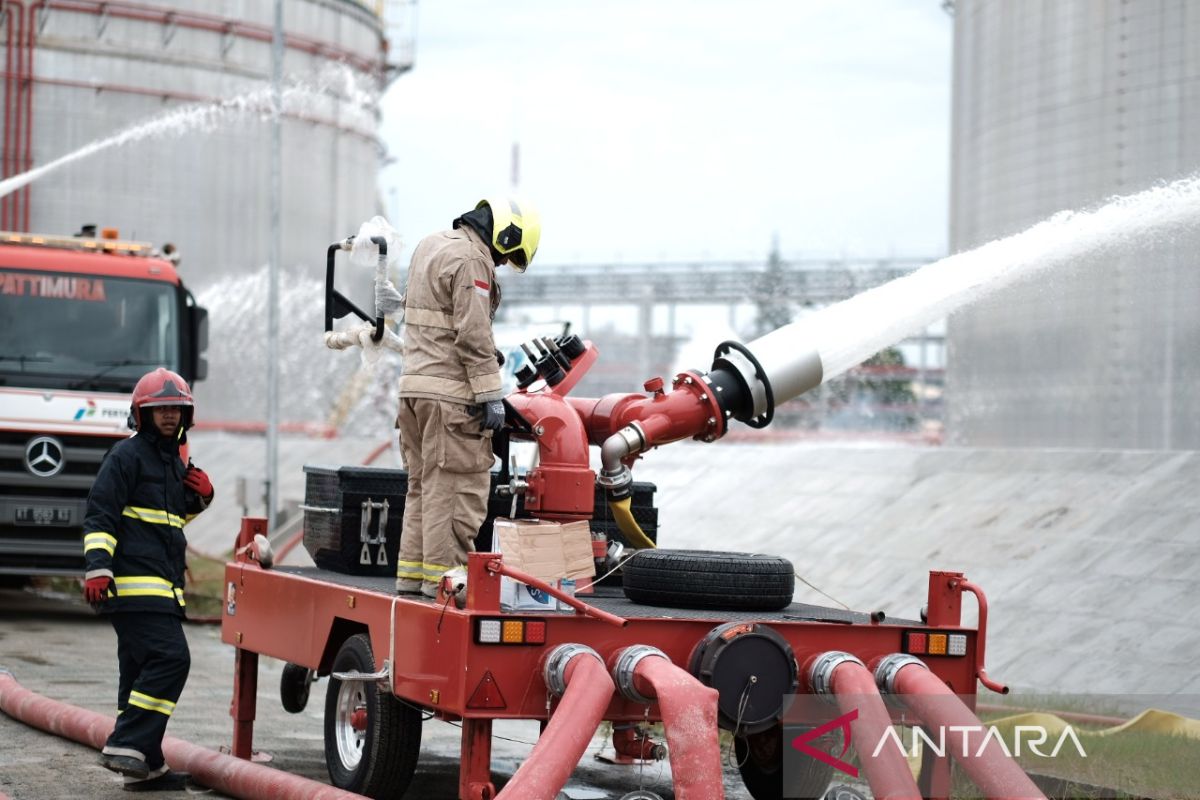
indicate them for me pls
(699, 641)
(81, 319)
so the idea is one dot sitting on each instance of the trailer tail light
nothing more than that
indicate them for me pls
(487, 631)
(928, 643)
(510, 631)
(535, 632)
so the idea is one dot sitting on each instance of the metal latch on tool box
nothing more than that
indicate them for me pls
(380, 537)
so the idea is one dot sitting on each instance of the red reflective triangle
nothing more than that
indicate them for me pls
(487, 694)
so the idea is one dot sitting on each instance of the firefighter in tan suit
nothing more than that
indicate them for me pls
(450, 390)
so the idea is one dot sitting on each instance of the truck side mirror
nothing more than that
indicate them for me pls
(198, 329)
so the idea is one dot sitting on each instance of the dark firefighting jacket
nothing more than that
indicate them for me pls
(133, 532)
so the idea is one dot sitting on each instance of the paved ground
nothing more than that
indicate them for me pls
(59, 649)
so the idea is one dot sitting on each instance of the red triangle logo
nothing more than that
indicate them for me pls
(801, 742)
(487, 694)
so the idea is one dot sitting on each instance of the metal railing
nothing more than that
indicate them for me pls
(817, 281)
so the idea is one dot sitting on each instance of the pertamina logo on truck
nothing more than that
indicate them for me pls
(81, 319)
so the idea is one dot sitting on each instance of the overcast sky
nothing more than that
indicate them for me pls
(680, 129)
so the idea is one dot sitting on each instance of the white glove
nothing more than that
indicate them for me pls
(365, 253)
(387, 300)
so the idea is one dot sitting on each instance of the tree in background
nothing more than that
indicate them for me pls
(881, 389)
(771, 292)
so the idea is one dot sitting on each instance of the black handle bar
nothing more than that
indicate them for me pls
(337, 305)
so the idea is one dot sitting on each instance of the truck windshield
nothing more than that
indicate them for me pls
(84, 331)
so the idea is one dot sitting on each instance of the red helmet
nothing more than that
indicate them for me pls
(161, 388)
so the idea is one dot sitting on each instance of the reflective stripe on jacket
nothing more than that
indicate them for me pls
(133, 531)
(449, 351)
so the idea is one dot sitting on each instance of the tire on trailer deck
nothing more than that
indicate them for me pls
(708, 579)
(379, 759)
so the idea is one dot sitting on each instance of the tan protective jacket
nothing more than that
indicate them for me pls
(449, 352)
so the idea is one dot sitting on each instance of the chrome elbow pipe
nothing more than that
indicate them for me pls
(614, 475)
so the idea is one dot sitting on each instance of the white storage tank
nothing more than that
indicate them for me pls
(1059, 105)
(83, 71)
(89, 69)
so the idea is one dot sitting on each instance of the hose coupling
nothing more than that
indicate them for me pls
(622, 671)
(613, 481)
(554, 669)
(614, 475)
(889, 666)
(820, 675)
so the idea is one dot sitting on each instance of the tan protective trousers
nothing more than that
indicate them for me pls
(448, 455)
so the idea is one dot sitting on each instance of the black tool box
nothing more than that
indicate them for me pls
(353, 516)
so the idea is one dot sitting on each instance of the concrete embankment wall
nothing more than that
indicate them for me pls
(1090, 559)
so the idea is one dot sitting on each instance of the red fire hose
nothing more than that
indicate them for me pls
(226, 774)
(888, 772)
(994, 772)
(689, 713)
(565, 739)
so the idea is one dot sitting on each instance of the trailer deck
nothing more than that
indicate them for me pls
(464, 658)
(613, 600)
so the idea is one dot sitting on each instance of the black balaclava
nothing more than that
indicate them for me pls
(147, 428)
(480, 221)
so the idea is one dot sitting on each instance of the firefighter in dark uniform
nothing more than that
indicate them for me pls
(135, 550)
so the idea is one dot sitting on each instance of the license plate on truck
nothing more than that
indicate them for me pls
(43, 515)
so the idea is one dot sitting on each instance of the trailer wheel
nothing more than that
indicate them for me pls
(294, 685)
(707, 579)
(372, 740)
(760, 761)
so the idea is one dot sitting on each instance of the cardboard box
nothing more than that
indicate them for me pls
(558, 553)
(517, 596)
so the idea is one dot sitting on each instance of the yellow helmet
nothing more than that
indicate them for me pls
(516, 229)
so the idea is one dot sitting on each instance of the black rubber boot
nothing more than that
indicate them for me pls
(128, 766)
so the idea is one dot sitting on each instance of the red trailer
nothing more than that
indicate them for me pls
(701, 642)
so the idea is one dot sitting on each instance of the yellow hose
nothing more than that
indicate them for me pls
(627, 525)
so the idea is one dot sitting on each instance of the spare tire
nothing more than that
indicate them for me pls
(709, 579)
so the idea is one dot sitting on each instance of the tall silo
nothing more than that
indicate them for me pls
(1060, 105)
(88, 69)
(83, 71)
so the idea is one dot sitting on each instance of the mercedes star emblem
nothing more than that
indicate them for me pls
(44, 456)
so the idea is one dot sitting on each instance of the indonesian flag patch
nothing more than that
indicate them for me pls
(483, 288)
